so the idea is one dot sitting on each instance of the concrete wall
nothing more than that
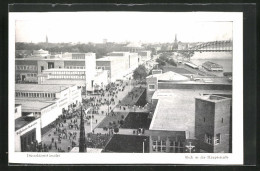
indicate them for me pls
(49, 114)
(149, 93)
(213, 112)
(222, 111)
(204, 109)
(18, 112)
(164, 85)
(19, 72)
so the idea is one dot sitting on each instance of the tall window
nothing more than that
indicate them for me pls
(217, 139)
(151, 87)
(154, 146)
(208, 138)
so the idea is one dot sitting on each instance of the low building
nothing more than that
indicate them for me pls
(145, 56)
(119, 65)
(173, 124)
(212, 66)
(27, 130)
(74, 76)
(47, 101)
(172, 80)
(27, 69)
(40, 53)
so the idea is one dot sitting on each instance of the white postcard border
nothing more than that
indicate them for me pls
(235, 158)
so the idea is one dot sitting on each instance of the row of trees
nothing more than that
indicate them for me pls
(140, 73)
(99, 49)
(164, 59)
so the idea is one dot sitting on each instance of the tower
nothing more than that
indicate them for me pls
(46, 39)
(82, 142)
(175, 40)
(175, 44)
(212, 123)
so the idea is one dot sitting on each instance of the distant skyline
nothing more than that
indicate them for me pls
(145, 27)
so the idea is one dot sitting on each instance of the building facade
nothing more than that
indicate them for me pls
(27, 130)
(212, 123)
(27, 69)
(47, 101)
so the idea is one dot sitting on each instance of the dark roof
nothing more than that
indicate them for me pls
(127, 143)
(22, 121)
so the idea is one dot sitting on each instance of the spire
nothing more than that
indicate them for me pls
(46, 40)
(82, 142)
(175, 40)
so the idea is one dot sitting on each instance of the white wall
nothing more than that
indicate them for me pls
(36, 124)
(18, 112)
(90, 69)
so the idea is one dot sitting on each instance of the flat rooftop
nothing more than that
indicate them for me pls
(213, 98)
(109, 58)
(54, 88)
(33, 105)
(64, 69)
(175, 110)
(78, 82)
(170, 76)
(23, 121)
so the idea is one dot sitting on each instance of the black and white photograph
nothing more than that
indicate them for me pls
(126, 87)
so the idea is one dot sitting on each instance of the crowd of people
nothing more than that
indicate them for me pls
(65, 130)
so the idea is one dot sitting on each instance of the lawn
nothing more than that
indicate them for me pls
(127, 144)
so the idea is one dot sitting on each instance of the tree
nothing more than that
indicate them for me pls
(140, 73)
(121, 122)
(116, 129)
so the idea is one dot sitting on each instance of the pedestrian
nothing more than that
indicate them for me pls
(96, 120)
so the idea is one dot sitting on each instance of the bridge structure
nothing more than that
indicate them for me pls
(213, 46)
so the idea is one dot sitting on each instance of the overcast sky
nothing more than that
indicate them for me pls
(119, 27)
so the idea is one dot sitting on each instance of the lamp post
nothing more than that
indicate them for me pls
(143, 144)
(108, 105)
(86, 112)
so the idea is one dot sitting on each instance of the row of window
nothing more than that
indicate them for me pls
(151, 87)
(31, 75)
(78, 57)
(209, 139)
(26, 67)
(68, 73)
(35, 95)
(67, 77)
(100, 67)
(174, 146)
(75, 67)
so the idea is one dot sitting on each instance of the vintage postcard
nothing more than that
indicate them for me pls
(126, 88)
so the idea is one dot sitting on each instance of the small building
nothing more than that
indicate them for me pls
(145, 56)
(176, 121)
(40, 53)
(47, 101)
(172, 80)
(212, 66)
(74, 76)
(27, 69)
(119, 65)
(27, 130)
